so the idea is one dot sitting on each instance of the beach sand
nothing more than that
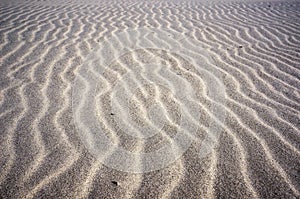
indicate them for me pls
(223, 75)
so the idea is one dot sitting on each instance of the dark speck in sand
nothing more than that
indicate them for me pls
(115, 183)
(240, 46)
(112, 114)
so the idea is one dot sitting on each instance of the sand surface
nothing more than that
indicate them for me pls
(90, 90)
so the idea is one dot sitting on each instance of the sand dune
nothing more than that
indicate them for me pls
(149, 99)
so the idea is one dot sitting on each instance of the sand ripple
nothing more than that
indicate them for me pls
(252, 49)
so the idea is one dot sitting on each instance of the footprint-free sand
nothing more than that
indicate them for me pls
(215, 83)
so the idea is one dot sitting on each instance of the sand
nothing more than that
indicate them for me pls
(150, 99)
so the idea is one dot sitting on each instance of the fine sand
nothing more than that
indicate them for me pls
(219, 82)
